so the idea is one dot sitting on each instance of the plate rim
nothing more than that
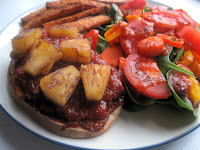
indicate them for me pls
(74, 146)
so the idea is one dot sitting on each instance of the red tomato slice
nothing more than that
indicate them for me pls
(135, 31)
(132, 5)
(191, 36)
(159, 8)
(167, 20)
(144, 74)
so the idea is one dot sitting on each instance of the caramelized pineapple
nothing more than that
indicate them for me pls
(41, 58)
(95, 79)
(23, 41)
(58, 31)
(59, 85)
(76, 50)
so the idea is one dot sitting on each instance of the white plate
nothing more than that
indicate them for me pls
(152, 127)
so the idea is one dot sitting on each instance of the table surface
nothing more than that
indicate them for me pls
(13, 137)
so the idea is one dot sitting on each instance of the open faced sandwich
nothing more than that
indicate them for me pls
(74, 61)
(56, 76)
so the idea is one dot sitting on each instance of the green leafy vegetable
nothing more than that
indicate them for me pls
(103, 29)
(147, 9)
(116, 14)
(185, 102)
(165, 65)
(180, 53)
(143, 102)
(102, 38)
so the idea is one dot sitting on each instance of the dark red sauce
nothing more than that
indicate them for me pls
(78, 111)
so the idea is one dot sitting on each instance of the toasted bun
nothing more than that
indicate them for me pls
(53, 125)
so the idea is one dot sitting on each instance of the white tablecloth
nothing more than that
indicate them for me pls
(13, 137)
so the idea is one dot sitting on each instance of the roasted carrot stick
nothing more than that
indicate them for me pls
(112, 55)
(88, 23)
(61, 3)
(32, 15)
(52, 14)
(90, 12)
(88, 4)
(117, 2)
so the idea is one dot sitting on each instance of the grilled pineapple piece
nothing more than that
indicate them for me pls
(59, 85)
(57, 31)
(95, 79)
(22, 42)
(41, 58)
(76, 50)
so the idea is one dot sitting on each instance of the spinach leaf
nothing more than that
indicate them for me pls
(165, 65)
(115, 14)
(146, 9)
(101, 45)
(143, 102)
(185, 102)
(180, 53)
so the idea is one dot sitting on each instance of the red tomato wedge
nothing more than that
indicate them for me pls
(191, 36)
(144, 74)
(167, 19)
(132, 5)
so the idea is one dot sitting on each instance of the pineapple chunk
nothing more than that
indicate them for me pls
(95, 79)
(58, 31)
(22, 42)
(76, 50)
(59, 85)
(41, 58)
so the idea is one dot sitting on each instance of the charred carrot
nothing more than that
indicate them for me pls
(88, 23)
(90, 12)
(112, 55)
(87, 4)
(27, 18)
(52, 14)
(61, 3)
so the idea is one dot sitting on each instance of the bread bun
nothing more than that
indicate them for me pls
(51, 124)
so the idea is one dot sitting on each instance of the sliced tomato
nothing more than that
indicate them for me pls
(132, 5)
(135, 31)
(167, 20)
(191, 36)
(144, 74)
(159, 8)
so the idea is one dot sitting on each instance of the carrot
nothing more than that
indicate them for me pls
(61, 3)
(90, 12)
(112, 55)
(122, 62)
(88, 23)
(52, 14)
(27, 18)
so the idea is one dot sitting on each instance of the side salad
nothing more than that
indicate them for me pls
(157, 49)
